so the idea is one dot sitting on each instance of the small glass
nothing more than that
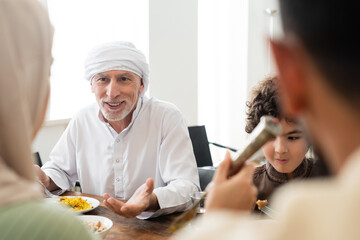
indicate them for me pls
(195, 197)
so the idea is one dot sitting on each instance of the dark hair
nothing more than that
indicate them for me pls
(265, 101)
(329, 31)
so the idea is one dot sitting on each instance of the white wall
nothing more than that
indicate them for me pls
(173, 54)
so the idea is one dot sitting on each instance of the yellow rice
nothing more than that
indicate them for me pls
(77, 203)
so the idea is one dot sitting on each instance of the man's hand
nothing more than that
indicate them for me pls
(41, 175)
(235, 193)
(143, 199)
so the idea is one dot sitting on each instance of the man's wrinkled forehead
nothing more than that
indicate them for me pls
(118, 74)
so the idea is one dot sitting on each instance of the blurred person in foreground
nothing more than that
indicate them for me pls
(25, 52)
(126, 146)
(319, 70)
(285, 154)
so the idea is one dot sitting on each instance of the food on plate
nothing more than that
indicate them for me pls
(77, 203)
(96, 227)
(261, 203)
(97, 224)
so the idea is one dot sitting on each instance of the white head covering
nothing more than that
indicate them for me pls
(117, 56)
(25, 59)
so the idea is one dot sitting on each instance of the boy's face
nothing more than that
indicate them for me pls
(286, 152)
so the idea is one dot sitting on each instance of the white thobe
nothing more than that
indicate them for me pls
(156, 145)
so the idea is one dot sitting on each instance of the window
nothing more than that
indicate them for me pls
(222, 61)
(79, 26)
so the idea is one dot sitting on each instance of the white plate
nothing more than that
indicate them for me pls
(93, 202)
(107, 223)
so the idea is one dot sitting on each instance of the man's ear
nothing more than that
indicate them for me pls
(291, 73)
(92, 86)
(141, 89)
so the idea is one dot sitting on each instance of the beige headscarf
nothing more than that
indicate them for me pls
(25, 60)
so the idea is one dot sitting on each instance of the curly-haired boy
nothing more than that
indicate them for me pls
(285, 154)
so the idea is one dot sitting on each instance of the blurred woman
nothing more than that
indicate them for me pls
(25, 52)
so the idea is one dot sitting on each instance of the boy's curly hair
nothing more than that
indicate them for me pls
(265, 101)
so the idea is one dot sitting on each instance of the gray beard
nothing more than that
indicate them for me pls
(111, 117)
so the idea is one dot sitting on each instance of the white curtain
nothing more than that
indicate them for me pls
(222, 44)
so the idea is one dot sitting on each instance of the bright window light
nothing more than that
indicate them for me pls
(79, 26)
(222, 61)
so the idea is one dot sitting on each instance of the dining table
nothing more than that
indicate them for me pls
(130, 228)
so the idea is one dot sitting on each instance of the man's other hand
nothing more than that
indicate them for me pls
(143, 200)
(42, 177)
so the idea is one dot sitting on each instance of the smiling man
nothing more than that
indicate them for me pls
(126, 146)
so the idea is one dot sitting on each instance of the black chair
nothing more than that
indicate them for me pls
(37, 159)
(201, 147)
(205, 176)
(202, 154)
